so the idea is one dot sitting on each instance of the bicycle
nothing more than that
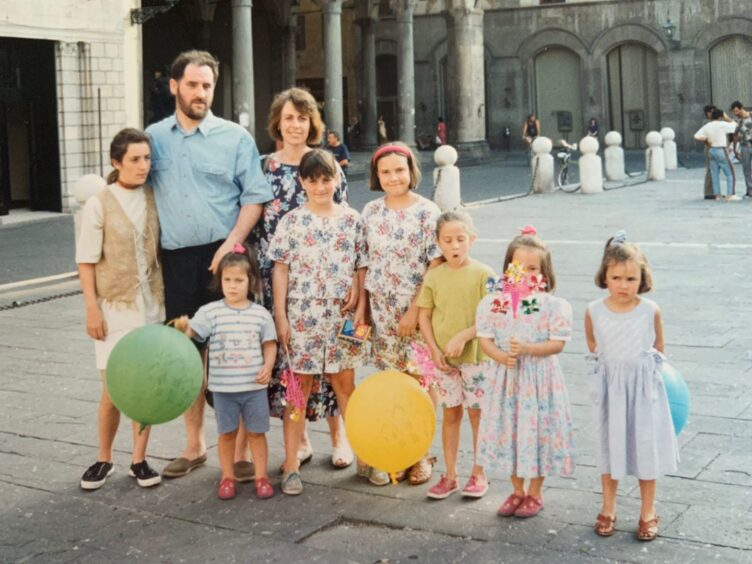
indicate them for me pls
(564, 157)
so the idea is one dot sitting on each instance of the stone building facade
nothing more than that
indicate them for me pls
(69, 80)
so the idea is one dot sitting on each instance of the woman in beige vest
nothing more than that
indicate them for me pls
(118, 265)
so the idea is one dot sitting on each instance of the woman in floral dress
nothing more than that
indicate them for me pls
(294, 120)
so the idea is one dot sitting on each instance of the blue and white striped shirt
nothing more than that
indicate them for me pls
(235, 344)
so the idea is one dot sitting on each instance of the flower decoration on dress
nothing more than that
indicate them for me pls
(420, 364)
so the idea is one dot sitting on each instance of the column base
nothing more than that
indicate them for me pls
(473, 149)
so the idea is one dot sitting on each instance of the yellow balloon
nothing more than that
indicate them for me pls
(390, 421)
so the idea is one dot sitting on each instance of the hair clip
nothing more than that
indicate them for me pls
(529, 230)
(238, 248)
(619, 238)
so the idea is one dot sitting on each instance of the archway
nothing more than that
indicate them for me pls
(634, 104)
(558, 96)
(731, 71)
(386, 92)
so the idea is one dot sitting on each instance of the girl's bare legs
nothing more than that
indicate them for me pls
(343, 384)
(536, 485)
(519, 485)
(242, 452)
(293, 430)
(260, 451)
(474, 415)
(450, 438)
(140, 440)
(108, 420)
(226, 450)
(336, 433)
(610, 486)
(647, 493)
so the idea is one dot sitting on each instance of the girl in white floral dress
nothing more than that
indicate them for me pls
(526, 428)
(317, 250)
(400, 231)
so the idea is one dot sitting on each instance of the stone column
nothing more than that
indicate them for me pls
(290, 31)
(466, 111)
(332, 11)
(243, 110)
(405, 70)
(368, 83)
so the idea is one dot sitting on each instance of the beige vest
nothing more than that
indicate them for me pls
(117, 270)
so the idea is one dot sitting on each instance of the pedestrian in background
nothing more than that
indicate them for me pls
(743, 140)
(441, 132)
(715, 135)
(340, 151)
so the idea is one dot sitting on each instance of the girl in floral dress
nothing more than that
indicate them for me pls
(317, 250)
(294, 120)
(400, 231)
(526, 428)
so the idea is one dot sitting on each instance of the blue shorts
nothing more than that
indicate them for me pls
(253, 406)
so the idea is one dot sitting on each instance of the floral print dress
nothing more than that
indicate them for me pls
(288, 195)
(401, 243)
(323, 254)
(526, 428)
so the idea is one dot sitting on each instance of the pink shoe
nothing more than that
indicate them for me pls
(530, 507)
(475, 487)
(226, 489)
(443, 489)
(264, 489)
(509, 506)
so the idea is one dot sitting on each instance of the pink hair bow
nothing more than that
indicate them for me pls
(529, 230)
(238, 248)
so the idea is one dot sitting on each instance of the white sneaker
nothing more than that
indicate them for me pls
(733, 198)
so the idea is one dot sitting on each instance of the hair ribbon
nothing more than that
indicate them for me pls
(238, 248)
(390, 149)
(529, 230)
(619, 238)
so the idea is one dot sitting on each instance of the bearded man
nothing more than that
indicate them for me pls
(210, 189)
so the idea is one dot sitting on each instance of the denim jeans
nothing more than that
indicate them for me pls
(719, 162)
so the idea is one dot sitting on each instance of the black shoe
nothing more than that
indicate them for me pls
(144, 474)
(96, 475)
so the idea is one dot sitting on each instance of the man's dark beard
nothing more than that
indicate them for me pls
(188, 111)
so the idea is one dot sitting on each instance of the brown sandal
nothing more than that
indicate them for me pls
(647, 530)
(420, 473)
(604, 525)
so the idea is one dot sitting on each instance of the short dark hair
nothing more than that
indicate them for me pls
(317, 163)
(717, 113)
(616, 253)
(737, 105)
(119, 147)
(245, 258)
(709, 108)
(194, 57)
(336, 135)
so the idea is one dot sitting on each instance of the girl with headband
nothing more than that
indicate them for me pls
(400, 231)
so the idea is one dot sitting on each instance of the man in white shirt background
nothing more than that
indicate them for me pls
(715, 134)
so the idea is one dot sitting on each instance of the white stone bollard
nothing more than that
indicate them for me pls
(654, 161)
(543, 166)
(591, 167)
(669, 148)
(83, 189)
(446, 179)
(614, 157)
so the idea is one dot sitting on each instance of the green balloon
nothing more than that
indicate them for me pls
(154, 374)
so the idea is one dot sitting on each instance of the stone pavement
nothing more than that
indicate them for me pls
(703, 281)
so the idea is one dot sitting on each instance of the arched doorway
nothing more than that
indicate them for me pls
(731, 71)
(386, 92)
(558, 97)
(633, 92)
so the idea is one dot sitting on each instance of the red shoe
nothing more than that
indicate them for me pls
(443, 489)
(227, 488)
(475, 487)
(511, 504)
(264, 489)
(530, 507)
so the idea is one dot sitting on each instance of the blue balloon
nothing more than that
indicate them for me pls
(678, 396)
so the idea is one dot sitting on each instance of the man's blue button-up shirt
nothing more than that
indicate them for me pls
(201, 179)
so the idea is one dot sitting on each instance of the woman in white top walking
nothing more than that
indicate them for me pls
(715, 135)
